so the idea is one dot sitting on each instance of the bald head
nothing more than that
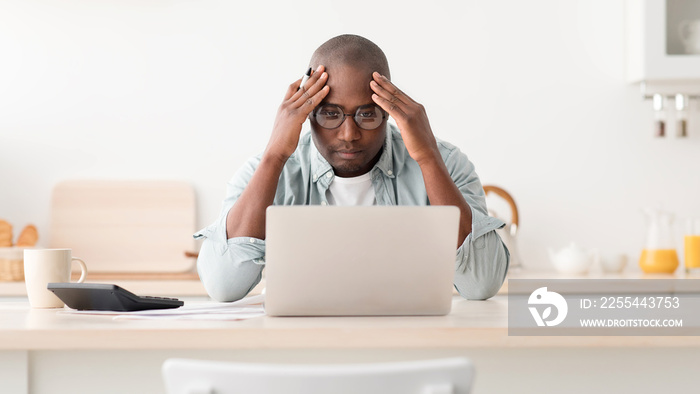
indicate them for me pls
(351, 50)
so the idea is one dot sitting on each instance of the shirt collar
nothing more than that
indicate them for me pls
(386, 160)
(320, 166)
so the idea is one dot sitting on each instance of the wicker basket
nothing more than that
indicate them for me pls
(11, 264)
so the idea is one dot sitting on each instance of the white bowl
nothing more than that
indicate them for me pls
(613, 264)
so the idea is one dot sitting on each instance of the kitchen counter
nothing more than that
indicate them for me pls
(49, 351)
(470, 324)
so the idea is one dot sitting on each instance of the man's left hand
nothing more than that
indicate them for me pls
(410, 117)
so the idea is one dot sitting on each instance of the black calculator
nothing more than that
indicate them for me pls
(108, 297)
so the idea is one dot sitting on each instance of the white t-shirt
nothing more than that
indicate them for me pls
(351, 191)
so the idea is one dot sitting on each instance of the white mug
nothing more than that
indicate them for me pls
(43, 266)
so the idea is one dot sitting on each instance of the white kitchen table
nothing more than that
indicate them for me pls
(43, 351)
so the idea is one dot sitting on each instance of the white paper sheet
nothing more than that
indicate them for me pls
(245, 308)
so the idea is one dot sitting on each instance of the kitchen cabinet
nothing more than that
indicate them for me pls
(656, 51)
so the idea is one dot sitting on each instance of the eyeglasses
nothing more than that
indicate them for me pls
(367, 117)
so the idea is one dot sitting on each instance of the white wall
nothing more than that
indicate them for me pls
(534, 92)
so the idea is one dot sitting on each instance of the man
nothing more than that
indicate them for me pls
(357, 161)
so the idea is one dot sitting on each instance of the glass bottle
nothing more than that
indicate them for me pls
(681, 115)
(659, 254)
(659, 115)
(691, 241)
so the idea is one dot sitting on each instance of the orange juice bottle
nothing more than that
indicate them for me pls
(659, 254)
(692, 246)
(692, 251)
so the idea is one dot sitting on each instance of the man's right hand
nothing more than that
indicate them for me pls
(291, 115)
(247, 216)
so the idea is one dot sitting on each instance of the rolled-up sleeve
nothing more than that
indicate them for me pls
(230, 268)
(482, 259)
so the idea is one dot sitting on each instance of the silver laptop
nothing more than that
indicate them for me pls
(360, 261)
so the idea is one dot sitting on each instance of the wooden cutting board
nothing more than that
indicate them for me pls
(125, 226)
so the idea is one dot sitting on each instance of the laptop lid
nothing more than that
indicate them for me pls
(360, 261)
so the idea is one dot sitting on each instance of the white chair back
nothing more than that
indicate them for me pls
(442, 376)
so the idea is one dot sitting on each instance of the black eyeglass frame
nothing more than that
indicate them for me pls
(314, 113)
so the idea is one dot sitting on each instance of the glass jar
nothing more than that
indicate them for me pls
(659, 254)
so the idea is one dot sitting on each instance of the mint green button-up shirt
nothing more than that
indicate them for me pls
(230, 268)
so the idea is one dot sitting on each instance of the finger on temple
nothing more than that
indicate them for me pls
(312, 87)
(382, 92)
(394, 110)
(315, 76)
(310, 103)
(392, 89)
